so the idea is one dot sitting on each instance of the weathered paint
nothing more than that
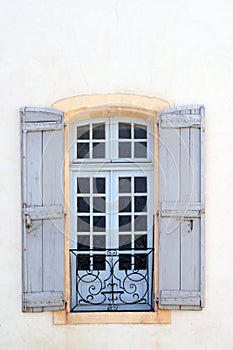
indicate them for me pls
(42, 210)
(180, 232)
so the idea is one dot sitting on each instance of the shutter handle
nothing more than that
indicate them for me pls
(28, 220)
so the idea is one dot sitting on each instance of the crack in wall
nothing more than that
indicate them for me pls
(84, 75)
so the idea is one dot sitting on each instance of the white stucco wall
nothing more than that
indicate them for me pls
(181, 51)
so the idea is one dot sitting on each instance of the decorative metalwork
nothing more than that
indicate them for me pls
(112, 280)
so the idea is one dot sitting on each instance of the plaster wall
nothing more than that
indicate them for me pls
(181, 51)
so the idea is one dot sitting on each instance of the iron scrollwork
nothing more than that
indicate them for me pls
(112, 280)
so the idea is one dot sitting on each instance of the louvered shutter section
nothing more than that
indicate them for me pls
(42, 131)
(181, 208)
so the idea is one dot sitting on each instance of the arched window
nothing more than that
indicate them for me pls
(111, 214)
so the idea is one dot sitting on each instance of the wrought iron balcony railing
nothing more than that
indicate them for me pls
(112, 279)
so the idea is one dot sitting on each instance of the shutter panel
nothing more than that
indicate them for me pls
(42, 132)
(181, 208)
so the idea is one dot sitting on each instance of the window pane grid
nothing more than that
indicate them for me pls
(96, 141)
(91, 141)
(91, 212)
(133, 140)
(132, 222)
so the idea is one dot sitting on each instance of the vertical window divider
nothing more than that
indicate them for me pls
(91, 141)
(110, 138)
(111, 219)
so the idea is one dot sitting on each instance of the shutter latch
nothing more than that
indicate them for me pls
(190, 222)
(28, 220)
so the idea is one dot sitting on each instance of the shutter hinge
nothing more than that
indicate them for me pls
(156, 298)
(66, 305)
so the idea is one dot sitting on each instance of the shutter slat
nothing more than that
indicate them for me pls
(45, 212)
(169, 157)
(53, 243)
(174, 297)
(48, 298)
(180, 209)
(181, 215)
(185, 171)
(190, 260)
(38, 114)
(169, 263)
(41, 126)
(43, 215)
(184, 121)
(196, 165)
(33, 258)
(32, 195)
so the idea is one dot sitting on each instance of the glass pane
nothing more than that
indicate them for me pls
(124, 184)
(140, 131)
(140, 241)
(83, 185)
(98, 150)
(140, 223)
(83, 205)
(99, 131)
(124, 242)
(124, 149)
(99, 242)
(124, 261)
(83, 242)
(83, 223)
(83, 262)
(124, 131)
(98, 223)
(124, 223)
(83, 132)
(140, 185)
(98, 262)
(140, 149)
(83, 150)
(140, 203)
(99, 185)
(140, 262)
(124, 204)
(99, 205)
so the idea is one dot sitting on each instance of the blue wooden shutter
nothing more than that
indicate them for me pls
(181, 211)
(42, 132)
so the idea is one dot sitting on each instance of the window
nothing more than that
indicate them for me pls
(111, 220)
(94, 190)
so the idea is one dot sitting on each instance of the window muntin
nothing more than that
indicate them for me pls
(132, 140)
(112, 223)
(89, 198)
(112, 140)
(91, 141)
